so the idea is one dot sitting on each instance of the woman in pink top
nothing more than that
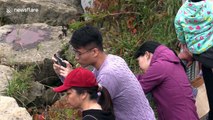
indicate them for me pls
(165, 78)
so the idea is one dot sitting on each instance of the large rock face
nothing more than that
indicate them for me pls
(10, 110)
(31, 44)
(53, 12)
(27, 43)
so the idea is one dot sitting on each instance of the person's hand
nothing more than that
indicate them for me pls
(64, 71)
(185, 54)
(189, 63)
(60, 70)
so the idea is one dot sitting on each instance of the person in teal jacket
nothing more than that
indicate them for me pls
(194, 25)
(194, 28)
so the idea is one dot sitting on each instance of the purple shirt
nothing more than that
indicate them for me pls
(168, 82)
(129, 100)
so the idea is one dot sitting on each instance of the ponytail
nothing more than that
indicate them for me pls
(100, 94)
(105, 99)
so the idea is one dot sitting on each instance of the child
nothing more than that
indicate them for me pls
(194, 28)
(84, 92)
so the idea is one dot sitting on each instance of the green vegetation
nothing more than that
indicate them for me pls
(64, 114)
(126, 24)
(20, 83)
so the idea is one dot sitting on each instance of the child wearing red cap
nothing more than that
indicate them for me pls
(85, 93)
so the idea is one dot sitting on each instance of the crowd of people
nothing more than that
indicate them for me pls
(112, 91)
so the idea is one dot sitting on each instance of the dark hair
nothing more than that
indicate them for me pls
(150, 46)
(104, 99)
(196, 0)
(87, 36)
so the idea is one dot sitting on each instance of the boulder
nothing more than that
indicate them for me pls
(52, 12)
(10, 110)
(38, 96)
(32, 44)
(5, 75)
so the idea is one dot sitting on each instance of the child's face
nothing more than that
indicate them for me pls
(75, 100)
(144, 61)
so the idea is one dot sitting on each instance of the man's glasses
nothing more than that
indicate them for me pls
(78, 53)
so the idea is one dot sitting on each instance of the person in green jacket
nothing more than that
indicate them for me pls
(194, 28)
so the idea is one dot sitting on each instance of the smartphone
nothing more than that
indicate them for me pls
(59, 60)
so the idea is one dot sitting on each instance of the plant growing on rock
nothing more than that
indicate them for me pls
(19, 84)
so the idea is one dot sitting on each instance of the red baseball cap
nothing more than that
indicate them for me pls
(79, 77)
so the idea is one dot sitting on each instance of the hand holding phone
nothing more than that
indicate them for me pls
(59, 61)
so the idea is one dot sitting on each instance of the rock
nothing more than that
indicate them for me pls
(87, 4)
(50, 97)
(10, 110)
(36, 90)
(32, 44)
(52, 12)
(5, 75)
(28, 43)
(38, 95)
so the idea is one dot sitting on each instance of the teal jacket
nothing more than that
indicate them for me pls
(194, 25)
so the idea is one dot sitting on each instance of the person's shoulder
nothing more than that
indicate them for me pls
(209, 3)
(115, 63)
(89, 117)
(115, 57)
(90, 114)
(97, 115)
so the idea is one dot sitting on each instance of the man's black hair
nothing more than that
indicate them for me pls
(87, 36)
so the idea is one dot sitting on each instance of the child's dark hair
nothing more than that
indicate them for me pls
(87, 36)
(150, 46)
(104, 99)
(196, 0)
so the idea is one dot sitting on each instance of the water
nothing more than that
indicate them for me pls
(25, 38)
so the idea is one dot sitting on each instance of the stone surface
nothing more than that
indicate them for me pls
(39, 95)
(34, 91)
(39, 53)
(52, 12)
(5, 76)
(10, 110)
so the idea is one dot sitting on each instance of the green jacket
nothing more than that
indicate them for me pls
(194, 25)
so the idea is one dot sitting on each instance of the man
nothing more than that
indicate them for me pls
(129, 100)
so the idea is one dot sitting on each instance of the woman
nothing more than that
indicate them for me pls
(165, 78)
(83, 92)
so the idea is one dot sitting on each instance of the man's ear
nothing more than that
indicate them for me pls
(95, 52)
